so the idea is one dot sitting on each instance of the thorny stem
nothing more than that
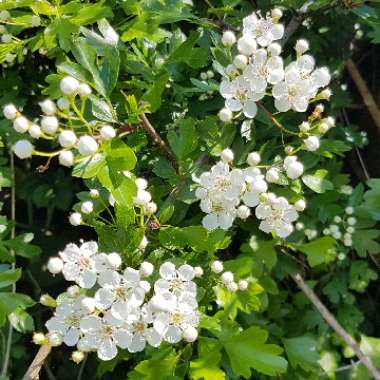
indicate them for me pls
(7, 353)
(335, 325)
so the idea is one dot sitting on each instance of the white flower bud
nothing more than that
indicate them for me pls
(349, 210)
(114, 260)
(146, 269)
(253, 159)
(334, 228)
(217, 266)
(325, 94)
(75, 219)
(94, 193)
(84, 90)
(274, 49)
(142, 198)
(66, 158)
(87, 207)
(87, 145)
(276, 13)
(10, 111)
(272, 175)
(243, 212)
(55, 265)
(151, 208)
(225, 115)
(227, 277)
(48, 107)
(141, 183)
(4, 15)
(228, 38)
(302, 46)
(337, 219)
(323, 127)
(49, 124)
(23, 149)
(294, 170)
(88, 304)
(300, 226)
(300, 205)
(326, 231)
(351, 221)
(350, 230)
(143, 244)
(330, 121)
(240, 61)
(67, 139)
(210, 74)
(55, 339)
(63, 104)
(319, 108)
(232, 286)
(227, 155)
(190, 334)
(21, 124)
(305, 126)
(35, 131)
(312, 143)
(246, 45)
(77, 356)
(39, 338)
(145, 285)
(73, 291)
(69, 85)
(6, 38)
(243, 285)
(337, 235)
(107, 132)
(198, 272)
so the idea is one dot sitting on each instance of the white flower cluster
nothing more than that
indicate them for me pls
(227, 278)
(226, 194)
(257, 69)
(51, 127)
(124, 310)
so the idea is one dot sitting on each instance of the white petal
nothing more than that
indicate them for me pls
(250, 109)
(107, 349)
(131, 277)
(87, 279)
(161, 323)
(282, 104)
(56, 325)
(161, 286)
(104, 298)
(251, 199)
(71, 337)
(186, 272)
(210, 222)
(109, 278)
(136, 297)
(167, 271)
(70, 271)
(233, 105)
(277, 31)
(153, 338)
(123, 338)
(225, 221)
(173, 335)
(90, 324)
(137, 344)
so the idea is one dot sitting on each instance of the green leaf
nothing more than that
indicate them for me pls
(248, 350)
(319, 251)
(365, 242)
(185, 141)
(360, 276)
(206, 367)
(21, 321)
(21, 246)
(154, 95)
(9, 277)
(9, 302)
(317, 181)
(184, 51)
(101, 110)
(90, 167)
(91, 13)
(302, 352)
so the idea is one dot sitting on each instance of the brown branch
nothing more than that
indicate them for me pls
(33, 372)
(275, 121)
(364, 91)
(156, 138)
(335, 325)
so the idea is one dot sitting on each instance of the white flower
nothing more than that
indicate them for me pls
(255, 185)
(67, 139)
(227, 155)
(66, 319)
(66, 158)
(23, 149)
(107, 132)
(63, 104)
(277, 215)
(349, 210)
(228, 38)
(10, 111)
(263, 30)
(79, 265)
(84, 90)
(253, 159)
(34, 131)
(55, 265)
(87, 207)
(21, 124)
(87, 145)
(69, 85)
(190, 334)
(272, 175)
(49, 124)
(312, 143)
(351, 221)
(198, 271)
(227, 277)
(48, 107)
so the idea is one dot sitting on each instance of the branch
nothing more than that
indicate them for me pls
(158, 141)
(364, 91)
(34, 369)
(335, 325)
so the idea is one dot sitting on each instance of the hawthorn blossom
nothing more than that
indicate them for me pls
(277, 215)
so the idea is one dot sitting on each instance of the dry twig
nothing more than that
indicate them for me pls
(33, 372)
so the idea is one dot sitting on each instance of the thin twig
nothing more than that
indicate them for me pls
(34, 369)
(364, 91)
(335, 325)
(275, 121)
(7, 353)
(81, 369)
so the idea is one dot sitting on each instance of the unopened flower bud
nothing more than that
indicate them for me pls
(87, 207)
(240, 61)
(302, 46)
(217, 266)
(246, 45)
(274, 49)
(305, 126)
(243, 285)
(228, 38)
(190, 334)
(39, 338)
(77, 356)
(272, 175)
(23, 149)
(146, 269)
(312, 143)
(300, 205)
(21, 124)
(225, 115)
(114, 260)
(253, 159)
(69, 85)
(84, 90)
(227, 155)
(55, 265)
(94, 193)
(198, 271)
(66, 158)
(243, 212)
(35, 131)
(48, 107)
(49, 124)
(232, 286)
(107, 132)
(48, 301)
(75, 219)
(87, 145)
(67, 139)
(227, 277)
(10, 111)
(63, 104)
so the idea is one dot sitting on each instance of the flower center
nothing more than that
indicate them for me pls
(176, 284)
(139, 327)
(177, 318)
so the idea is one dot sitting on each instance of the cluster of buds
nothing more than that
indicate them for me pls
(227, 278)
